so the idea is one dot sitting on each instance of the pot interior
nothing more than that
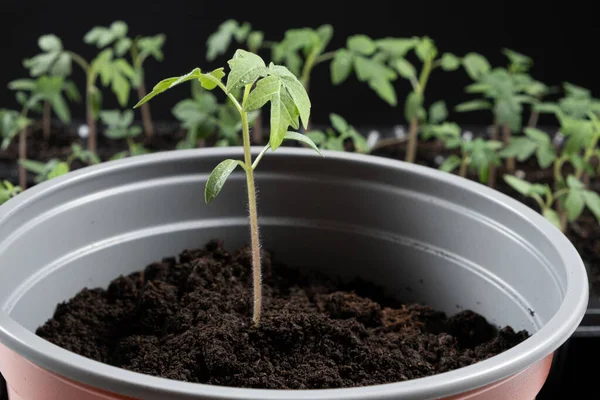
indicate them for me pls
(443, 242)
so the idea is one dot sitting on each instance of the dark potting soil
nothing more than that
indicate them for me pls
(58, 145)
(190, 319)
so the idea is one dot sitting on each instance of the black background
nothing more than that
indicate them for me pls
(561, 39)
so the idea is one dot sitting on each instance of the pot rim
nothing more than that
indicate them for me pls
(93, 373)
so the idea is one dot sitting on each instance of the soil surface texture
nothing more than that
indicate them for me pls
(189, 318)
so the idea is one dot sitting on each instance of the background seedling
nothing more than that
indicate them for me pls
(380, 62)
(576, 199)
(139, 48)
(50, 89)
(111, 70)
(394, 52)
(11, 124)
(119, 126)
(504, 94)
(476, 155)
(335, 138)
(8, 191)
(519, 66)
(202, 116)
(250, 85)
(241, 33)
(55, 167)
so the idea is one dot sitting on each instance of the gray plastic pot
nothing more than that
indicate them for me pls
(425, 235)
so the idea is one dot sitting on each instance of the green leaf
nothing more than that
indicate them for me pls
(317, 137)
(545, 155)
(592, 201)
(426, 49)
(325, 33)
(394, 47)
(168, 83)
(218, 42)
(50, 43)
(241, 33)
(207, 80)
(119, 28)
(476, 65)
(120, 86)
(62, 65)
(552, 216)
(283, 114)
(338, 123)
(518, 184)
(302, 138)
(537, 135)
(60, 108)
(384, 89)
(245, 68)
(295, 90)
(520, 148)
(404, 68)
(72, 91)
(265, 89)
(35, 167)
(120, 155)
(59, 169)
(493, 145)
(549, 108)
(22, 84)
(438, 112)
(451, 163)
(218, 177)
(96, 101)
(473, 105)
(341, 66)
(255, 40)
(574, 183)
(122, 46)
(449, 62)
(413, 107)
(361, 44)
(574, 204)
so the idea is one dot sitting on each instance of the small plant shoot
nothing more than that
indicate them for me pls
(8, 191)
(336, 137)
(202, 116)
(55, 167)
(139, 48)
(119, 127)
(380, 62)
(112, 71)
(576, 198)
(249, 86)
(476, 155)
(232, 31)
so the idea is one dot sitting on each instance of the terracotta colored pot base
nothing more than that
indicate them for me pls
(27, 381)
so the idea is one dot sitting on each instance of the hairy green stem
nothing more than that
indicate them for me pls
(506, 135)
(46, 120)
(463, 166)
(587, 156)
(411, 150)
(138, 60)
(91, 120)
(492, 173)
(411, 147)
(533, 119)
(89, 87)
(23, 156)
(253, 214)
(324, 57)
